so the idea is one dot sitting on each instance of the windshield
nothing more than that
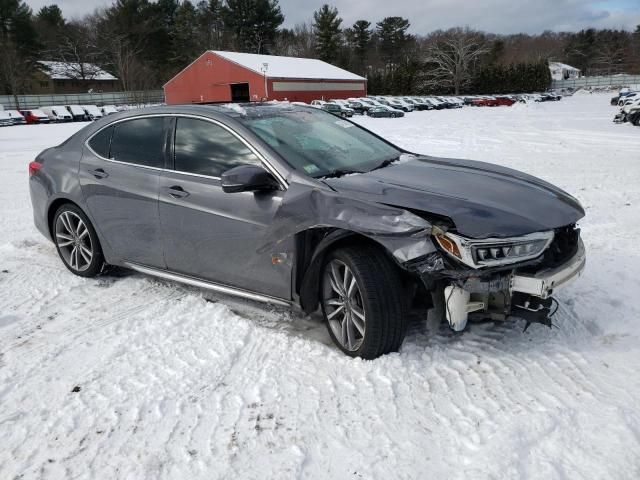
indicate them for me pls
(319, 144)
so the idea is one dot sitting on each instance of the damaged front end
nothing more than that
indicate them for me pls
(500, 279)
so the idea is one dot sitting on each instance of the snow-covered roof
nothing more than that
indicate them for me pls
(289, 67)
(71, 71)
(562, 66)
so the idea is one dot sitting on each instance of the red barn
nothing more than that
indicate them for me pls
(241, 77)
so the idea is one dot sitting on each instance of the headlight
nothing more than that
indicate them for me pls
(494, 251)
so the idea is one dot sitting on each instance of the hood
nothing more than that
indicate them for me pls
(483, 200)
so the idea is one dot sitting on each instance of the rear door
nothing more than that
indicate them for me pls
(119, 175)
(215, 235)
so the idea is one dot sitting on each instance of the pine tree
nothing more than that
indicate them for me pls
(360, 40)
(185, 35)
(326, 27)
(393, 37)
(210, 24)
(255, 23)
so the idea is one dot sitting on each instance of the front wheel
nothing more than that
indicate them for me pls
(77, 242)
(362, 302)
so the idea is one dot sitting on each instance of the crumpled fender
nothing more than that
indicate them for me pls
(403, 234)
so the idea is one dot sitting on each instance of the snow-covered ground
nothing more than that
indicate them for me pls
(129, 377)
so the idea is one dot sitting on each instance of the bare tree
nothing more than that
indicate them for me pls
(450, 59)
(15, 69)
(76, 51)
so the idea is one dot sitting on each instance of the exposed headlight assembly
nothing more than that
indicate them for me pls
(494, 251)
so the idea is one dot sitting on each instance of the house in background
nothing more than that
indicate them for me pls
(217, 76)
(65, 77)
(562, 71)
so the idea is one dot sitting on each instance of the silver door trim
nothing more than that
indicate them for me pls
(217, 287)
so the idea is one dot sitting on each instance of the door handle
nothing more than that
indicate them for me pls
(99, 173)
(176, 191)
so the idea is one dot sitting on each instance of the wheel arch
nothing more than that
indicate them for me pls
(53, 208)
(312, 246)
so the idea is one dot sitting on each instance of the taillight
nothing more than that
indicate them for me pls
(34, 167)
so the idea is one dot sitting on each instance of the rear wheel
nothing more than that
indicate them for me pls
(362, 302)
(77, 242)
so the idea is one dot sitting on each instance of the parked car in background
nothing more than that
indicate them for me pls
(57, 114)
(504, 101)
(108, 109)
(345, 106)
(484, 102)
(357, 106)
(317, 103)
(384, 111)
(16, 117)
(77, 112)
(625, 111)
(634, 116)
(5, 119)
(627, 96)
(336, 109)
(35, 116)
(92, 112)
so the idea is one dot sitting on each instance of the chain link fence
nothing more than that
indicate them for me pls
(11, 102)
(598, 81)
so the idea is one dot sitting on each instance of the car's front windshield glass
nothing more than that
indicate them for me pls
(319, 143)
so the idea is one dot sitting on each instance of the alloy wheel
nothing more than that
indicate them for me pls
(73, 241)
(343, 305)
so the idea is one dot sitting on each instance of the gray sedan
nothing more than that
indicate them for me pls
(290, 205)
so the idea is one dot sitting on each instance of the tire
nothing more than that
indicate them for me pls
(77, 242)
(393, 115)
(373, 319)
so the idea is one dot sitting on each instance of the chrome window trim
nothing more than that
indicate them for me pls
(265, 162)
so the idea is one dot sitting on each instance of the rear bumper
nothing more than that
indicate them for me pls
(542, 283)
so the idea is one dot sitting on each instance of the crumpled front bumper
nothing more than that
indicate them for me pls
(542, 283)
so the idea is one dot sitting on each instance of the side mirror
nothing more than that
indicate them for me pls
(248, 178)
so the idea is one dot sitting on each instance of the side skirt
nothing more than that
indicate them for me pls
(216, 287)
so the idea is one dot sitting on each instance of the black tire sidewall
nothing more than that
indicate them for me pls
(97, 261)
(382, 325)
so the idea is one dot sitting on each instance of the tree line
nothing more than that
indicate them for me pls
(144, 43)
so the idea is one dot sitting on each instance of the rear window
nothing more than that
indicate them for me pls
(101, 142)
(140, 141)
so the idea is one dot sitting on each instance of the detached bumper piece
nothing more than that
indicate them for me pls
(520, 295)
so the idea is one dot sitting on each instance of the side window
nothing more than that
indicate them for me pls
(140, 141)
(207, 149)
(101, 142)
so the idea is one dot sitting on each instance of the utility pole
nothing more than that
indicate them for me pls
(265, 67)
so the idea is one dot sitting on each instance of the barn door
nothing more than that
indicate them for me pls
(240, 92)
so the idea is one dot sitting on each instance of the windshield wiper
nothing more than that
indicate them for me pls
(385, 163)
(338, 172)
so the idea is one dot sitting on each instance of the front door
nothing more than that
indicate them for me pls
(215, 235)
(119, 175)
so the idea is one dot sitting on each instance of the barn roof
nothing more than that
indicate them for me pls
(289, 67)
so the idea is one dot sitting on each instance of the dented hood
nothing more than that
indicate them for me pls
(483, 200)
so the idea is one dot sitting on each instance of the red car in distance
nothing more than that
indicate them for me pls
(492, 101)
(35, 116)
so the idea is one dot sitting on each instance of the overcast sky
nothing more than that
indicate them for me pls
(497, 16)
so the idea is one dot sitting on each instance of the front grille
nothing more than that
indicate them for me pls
(562, 248)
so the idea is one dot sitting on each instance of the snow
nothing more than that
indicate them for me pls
(71, 71)
(289, 67)
(176, 383)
